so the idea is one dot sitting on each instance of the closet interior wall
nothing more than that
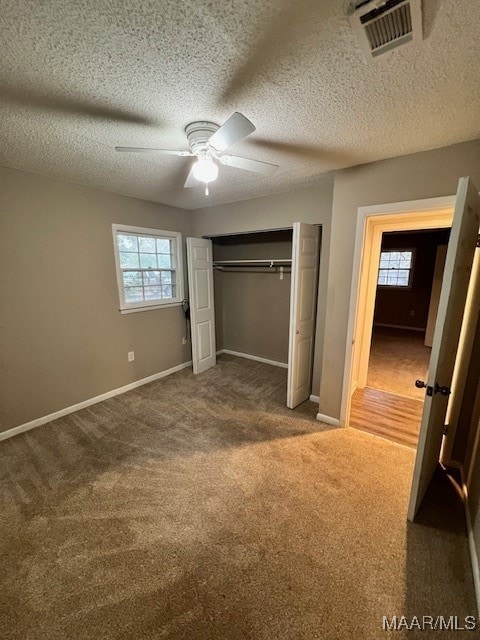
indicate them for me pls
(252, 304)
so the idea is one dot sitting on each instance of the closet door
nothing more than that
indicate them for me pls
(202, 309)
(303, 299)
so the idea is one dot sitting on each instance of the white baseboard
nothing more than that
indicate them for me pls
(256, 358)
(315, 399)
(471, 542)
(398, 326)
(328, 420)
(87, 403)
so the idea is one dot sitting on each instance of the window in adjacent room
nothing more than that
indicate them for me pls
(396, 268)
(149, 267)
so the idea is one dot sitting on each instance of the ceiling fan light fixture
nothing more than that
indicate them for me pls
(205, 170)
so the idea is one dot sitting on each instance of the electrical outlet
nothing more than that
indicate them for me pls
(184, 340)
(131, 356)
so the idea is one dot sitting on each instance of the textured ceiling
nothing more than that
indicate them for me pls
(78, 77)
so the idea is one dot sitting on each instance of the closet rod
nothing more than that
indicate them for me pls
(270, 263)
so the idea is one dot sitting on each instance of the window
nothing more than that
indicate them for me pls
(149, 267)
(396, 268)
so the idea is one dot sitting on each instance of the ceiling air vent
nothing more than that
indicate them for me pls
(382, 25)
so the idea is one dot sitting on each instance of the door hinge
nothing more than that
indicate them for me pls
(445, 429)
(478, 241)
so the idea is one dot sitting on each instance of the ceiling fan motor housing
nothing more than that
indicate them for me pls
(198, 135)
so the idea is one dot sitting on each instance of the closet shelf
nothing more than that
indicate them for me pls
(247, 263)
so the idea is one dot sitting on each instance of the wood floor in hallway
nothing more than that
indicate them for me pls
(384, 414)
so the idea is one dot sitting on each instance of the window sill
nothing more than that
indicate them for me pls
(150, 307)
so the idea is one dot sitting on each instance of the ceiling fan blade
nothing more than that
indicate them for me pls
(191, 181)
(165, 152)
(234, 129)
(249, 165)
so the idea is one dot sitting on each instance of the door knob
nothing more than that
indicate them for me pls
(443, 391)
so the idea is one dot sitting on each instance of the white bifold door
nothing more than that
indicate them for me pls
(453, 312)
(202, 306)
(303, 307)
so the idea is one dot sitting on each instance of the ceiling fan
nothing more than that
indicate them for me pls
(208, 143)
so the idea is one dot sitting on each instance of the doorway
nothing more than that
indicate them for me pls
(373, 225)
(458, 308)
(406, 303)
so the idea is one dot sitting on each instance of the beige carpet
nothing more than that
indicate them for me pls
(397, 359)
(201, 508)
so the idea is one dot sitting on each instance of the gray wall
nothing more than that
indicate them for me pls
(253, 305)
(312, 205)
(63, 339)
(421, 175)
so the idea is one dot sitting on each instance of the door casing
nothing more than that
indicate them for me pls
(431, 213)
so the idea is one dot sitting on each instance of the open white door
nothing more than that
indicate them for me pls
(451, 309)
(303, 303)
(202, 309)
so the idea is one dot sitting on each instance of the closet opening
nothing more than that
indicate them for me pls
(252, 279)
(254, 295)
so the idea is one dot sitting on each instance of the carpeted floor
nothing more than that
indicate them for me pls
(201, 508)
(398, 358)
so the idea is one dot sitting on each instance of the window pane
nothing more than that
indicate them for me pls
(153, 293)
(151, 278)
(167, 291)
(148, 260)
(129, 260)
(163, 245)
(133, 294)
(164, 261)
(132, 278)
(127, 243)
(382, 277)
(168, 277)
(147, 245)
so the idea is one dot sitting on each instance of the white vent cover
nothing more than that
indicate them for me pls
(382, 25)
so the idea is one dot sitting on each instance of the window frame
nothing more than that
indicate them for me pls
(400, 287)
(176, 236)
